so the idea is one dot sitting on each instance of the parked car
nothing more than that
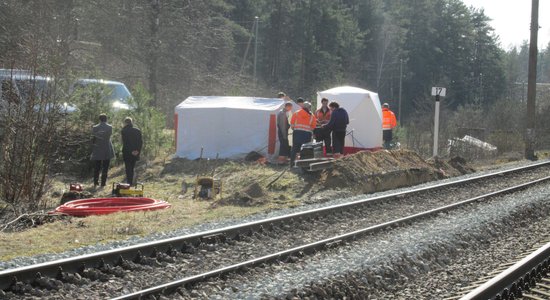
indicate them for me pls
(116, 92)
(18, 86)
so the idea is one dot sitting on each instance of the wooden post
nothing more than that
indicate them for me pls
(532, 84)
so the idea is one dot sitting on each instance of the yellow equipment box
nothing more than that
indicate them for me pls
(126, 190)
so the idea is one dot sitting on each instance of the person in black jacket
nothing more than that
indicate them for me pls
(131, 147)
(338, 123)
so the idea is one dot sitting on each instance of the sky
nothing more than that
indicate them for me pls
(511, 20)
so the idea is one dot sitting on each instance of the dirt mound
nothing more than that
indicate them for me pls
(254, 190)
(368, 172)
(252, 195)
(253, 156)
(460, 164)
(455, 166)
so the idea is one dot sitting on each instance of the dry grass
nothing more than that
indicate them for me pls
(162, 181)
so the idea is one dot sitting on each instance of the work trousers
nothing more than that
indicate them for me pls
(103, 166)
(338, 141)
(387, 136)
(129, 165)
(284, 147)
(323, 135)
(299, 137)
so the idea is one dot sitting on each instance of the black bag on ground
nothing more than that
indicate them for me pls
(311, 150)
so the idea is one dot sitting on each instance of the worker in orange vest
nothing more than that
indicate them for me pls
(323, 134)
(302, 123)
(388, 123)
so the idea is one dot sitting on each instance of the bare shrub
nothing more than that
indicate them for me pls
(32, 122)
(500, 125)
(506, 122)
(31, 133)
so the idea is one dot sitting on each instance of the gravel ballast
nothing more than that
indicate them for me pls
(442, 253)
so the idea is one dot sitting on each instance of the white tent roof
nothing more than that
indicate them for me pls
(229, 126)
(365, 114)
(220, 102)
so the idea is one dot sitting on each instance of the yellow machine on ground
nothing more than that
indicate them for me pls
(127, 190)
(207, 186)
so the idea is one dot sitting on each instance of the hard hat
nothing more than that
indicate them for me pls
(307, 105)
(385, 105)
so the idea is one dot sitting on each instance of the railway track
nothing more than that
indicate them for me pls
(157, 255)
(529, 278)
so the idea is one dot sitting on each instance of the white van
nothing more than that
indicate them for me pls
(117, 93)
(17, 87)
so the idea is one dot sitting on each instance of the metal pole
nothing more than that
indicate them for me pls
(255, 48)
(400, 89)
(532, 84)
(436, 126)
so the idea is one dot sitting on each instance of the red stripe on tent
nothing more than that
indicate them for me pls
(176, 130)
(272, 134)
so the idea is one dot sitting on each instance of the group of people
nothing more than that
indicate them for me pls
(103, 151)
(328, 124)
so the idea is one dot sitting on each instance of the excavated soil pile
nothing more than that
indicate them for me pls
(252, 195)
(368, 172)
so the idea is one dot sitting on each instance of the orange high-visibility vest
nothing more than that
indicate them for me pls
(388, 119)
(302, 120)
(323, 117)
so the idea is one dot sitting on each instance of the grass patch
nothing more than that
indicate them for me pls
(162, 180)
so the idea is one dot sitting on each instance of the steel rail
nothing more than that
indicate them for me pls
(75, 264)
(514, 280)
(315, 246)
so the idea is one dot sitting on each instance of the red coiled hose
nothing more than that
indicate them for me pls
(103, 206)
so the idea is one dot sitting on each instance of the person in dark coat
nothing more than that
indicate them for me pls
(282, 132)
(131, 147)
(102, 149)
(338, 123)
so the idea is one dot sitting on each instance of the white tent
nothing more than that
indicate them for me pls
(365, 116)
(229, 126)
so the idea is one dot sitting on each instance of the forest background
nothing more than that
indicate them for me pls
(167, 50)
